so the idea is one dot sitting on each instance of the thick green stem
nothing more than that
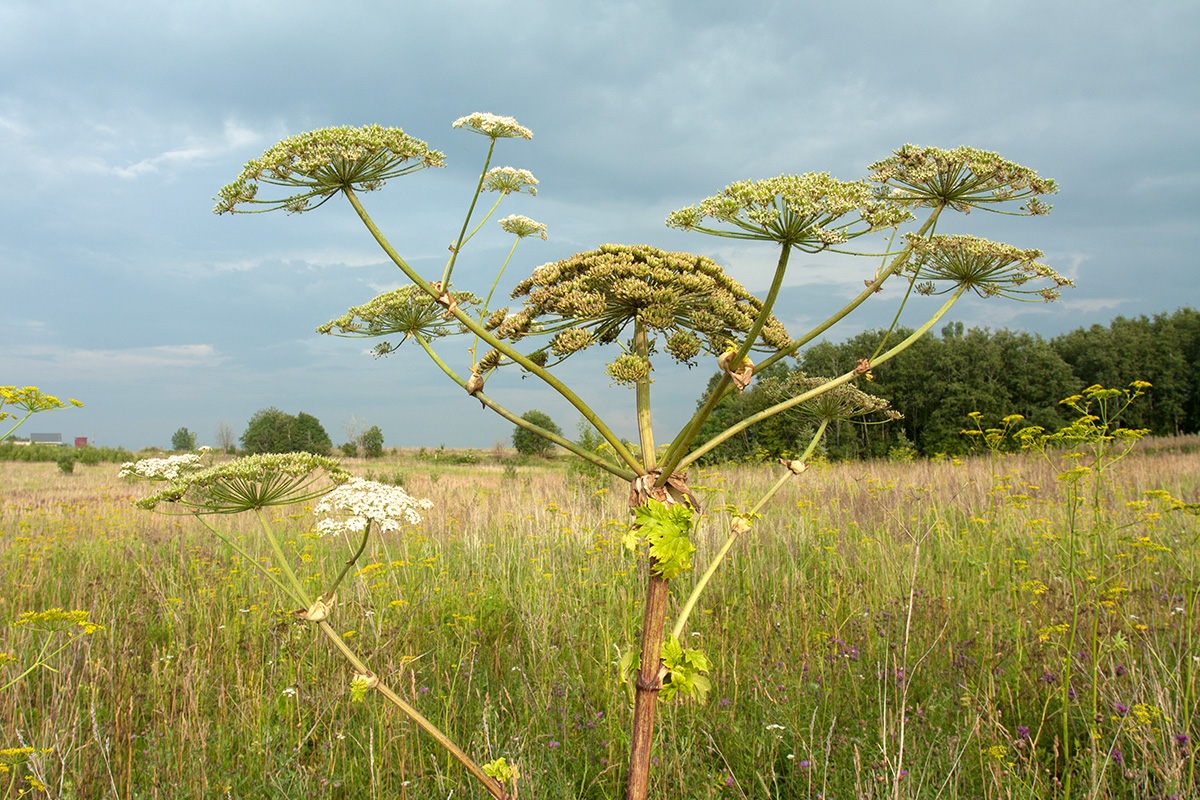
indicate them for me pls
(734, 533)
(470, 210)
(725, 386)
(678, 448)
(494, 788)
(473, 325)
(641, 346)
(649, 676)
(362, 545)
(250, 560)
(733, 430)
(282, 561)
(558, 439)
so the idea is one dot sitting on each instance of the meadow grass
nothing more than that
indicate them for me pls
(952, 629)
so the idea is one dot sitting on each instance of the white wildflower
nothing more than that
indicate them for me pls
(360, 501)
(494, 126)
(164, 469)
(510, 180)
(521, 226)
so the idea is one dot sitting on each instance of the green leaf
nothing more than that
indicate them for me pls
(685, 676)
(665, 528)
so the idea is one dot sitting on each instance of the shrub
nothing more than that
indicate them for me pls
(372, 442)
(529, 443)
(183, 439)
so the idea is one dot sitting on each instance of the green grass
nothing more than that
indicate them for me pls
(888, 630)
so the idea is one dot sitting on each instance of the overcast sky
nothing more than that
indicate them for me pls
(120, 121)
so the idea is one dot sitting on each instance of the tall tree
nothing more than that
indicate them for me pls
(1163, 350)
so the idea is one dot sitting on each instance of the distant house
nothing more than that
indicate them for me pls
(81, 441)
(45, 438)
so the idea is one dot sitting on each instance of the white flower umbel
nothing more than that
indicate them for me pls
(523, 226)
(496, 127)
(360, 501)
(160, 469)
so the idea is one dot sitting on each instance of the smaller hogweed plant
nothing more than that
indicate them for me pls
(348, 506)
(637, 301)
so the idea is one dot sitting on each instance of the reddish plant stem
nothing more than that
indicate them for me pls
(649, 683)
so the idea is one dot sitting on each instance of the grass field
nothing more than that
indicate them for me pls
(955, 629)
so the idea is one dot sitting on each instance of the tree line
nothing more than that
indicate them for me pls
(942, 379)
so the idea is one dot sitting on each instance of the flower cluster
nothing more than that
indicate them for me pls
(161, 469)
(510, 180)
(56, 619)
(407, 311)
(521, 226)
(841, 403)
(962, 179)
(358, 502)
(591, 298)
(811, 212)
(252, 482)
(985, 267)
(493, 126)
(31, 400)
(322, 163)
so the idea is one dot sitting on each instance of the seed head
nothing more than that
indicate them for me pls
(523, 226)
(812, 212)
(322, 163)
(962, 179)
(987, 268)
(510, 180)
(407, 311)
(252, 482)
(591, 298)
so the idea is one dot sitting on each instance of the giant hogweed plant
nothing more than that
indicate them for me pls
(639, 301)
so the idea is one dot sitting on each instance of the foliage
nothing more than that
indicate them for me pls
(844, 623)
(273, 431)
(42, 452)
(66, 461)
(183, 439)
(528, 443)
(372, 442)
(943, 379)
(1163, 350)
(665, 529)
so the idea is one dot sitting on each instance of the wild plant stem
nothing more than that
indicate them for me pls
(493, 787)
(733, 430)
(487, 336)
(649, 677)
(282, 561)
(558, 439)
(467, 221)
(362, 545)
(677, 450)
(702, 584)
(249, 559)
